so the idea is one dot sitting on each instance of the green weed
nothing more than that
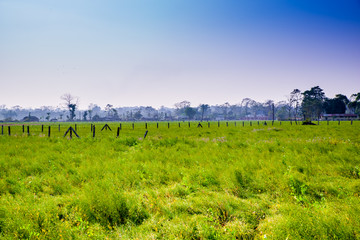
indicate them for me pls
(235, 182)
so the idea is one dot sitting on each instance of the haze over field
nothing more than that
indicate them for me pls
(138, 52)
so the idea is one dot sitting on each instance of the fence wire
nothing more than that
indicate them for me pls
(135, 129)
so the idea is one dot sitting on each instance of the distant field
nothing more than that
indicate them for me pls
(229, 182)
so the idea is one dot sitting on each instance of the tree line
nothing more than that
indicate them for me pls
(307, 105)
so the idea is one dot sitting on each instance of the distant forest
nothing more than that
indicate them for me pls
(308, 105)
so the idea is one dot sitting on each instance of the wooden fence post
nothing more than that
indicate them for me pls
(351, 122)
(179, 124)
(218, 123)
(118, 132)
(93, 130)
(243, 123)
(2, 129)
(9, 130)
(28, 130)
(120, 126)
(145, 125)
(42, 128)
(23, 127)
(208, 124)
(71, 132)
(49, 131)
(250, 123)
(75, 127)
(227, 124)
(133, 126)
(189, 124)
(168, 125)
(339, 122)
(106, 127)
(59, 127)
(157, 125)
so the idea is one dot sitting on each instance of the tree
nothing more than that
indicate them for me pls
(312, 104)
(180, 107)
(235, 111)
(85, 115)
(255, 107)
(108, 109)
(296, 97)
(336, 105)
(354, 103)
(8, 115)
(93, 109)
(269, 108)
(150, 112)
(203, 108)
(72, 108)
(293, 102)
(281, 110)
(90, 114)
(342, 98)
(115, 114)
(138, 115)
(289, 105)
(246, 103)
(70, 103)
(225, 107)
(190, 112)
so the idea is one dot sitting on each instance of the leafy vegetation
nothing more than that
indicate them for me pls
(308, 105)
(236, 182)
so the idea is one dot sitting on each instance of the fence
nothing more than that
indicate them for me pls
(115, 129)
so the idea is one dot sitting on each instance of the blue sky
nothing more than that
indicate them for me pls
(159, 52)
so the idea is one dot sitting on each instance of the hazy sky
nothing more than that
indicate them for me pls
(159, 52)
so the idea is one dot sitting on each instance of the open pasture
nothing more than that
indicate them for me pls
(228, 182)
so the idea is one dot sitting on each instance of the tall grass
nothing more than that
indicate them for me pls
(274, 182)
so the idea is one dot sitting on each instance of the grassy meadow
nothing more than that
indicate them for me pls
(229, 182)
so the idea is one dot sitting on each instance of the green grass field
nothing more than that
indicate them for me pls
(237, 182)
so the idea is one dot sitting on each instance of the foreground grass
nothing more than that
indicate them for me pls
(274, 182)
